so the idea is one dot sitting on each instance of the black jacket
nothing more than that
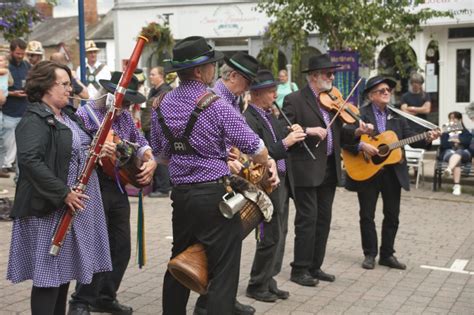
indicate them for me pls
(275, 149)
(302, 108)
(44, 150)
(400, 126)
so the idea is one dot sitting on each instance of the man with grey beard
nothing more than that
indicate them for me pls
(313, 182)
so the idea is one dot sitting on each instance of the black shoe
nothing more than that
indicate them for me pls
(392, 262)
(263, 296)
(369, 262)
(199, 311)
(242, 309)
(158, 194)
(282, 295)
(78, 309)
(304, 279)
(115, 308)
(322, 276)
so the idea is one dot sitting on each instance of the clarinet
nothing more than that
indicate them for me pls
(288, 122)
(96, 146)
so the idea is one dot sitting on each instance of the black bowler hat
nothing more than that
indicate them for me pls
(374, 81)
(244, 64)
(191, 52)
(263, 80)
(320, 62)
(131, 94)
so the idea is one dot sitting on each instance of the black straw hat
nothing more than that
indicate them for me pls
(244, 64)
(192, 52)
(263, 80)
(320, 62)
(374, 81)
(131, 94)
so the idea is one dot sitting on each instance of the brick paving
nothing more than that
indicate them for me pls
(435, 229)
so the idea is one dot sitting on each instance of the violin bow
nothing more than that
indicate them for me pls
(343, 104)
(341, 108)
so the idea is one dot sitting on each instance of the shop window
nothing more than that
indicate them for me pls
(463, 75)
(462, 32)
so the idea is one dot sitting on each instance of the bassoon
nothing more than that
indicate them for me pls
(96, 146)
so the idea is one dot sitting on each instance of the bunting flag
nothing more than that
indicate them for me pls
(141, 254)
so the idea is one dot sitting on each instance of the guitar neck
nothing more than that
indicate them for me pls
(402, 143)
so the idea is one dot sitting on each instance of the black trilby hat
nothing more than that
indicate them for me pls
(244, 64)
(374, 81)
(192, 52)
(263, 80)
(320, 62)
(131, 94)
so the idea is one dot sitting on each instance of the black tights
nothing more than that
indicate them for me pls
(49, 301)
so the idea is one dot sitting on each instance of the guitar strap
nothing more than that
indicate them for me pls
(417, 120)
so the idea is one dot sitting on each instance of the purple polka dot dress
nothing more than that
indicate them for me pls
(85, 250)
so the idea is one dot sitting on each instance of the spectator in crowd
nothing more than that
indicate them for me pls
(4, 83)
(416, 101)
(285, 87)
(455, 150)
(95, 70)
(34, 52)
(16, 102)
(161, 178)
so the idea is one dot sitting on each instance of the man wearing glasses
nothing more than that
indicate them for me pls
(388, 182)
(313, 182)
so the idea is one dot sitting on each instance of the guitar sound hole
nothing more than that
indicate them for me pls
(382, 156)
(383, 150)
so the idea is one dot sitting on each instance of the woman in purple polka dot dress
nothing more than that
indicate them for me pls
(52, 150)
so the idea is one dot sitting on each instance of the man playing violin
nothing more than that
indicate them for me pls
(387, 182)
(313, 182)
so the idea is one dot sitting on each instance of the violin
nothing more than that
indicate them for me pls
(332, 100)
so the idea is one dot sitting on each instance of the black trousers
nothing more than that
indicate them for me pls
(49, 301)
(104, 285)
(313, 221)
(196, 218)
(267, 249)
(388, 185)
(284, 195)
(161, 177)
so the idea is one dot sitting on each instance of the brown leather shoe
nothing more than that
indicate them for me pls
(4, 174)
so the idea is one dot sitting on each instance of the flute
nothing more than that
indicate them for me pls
(282, 113)
(99, 139)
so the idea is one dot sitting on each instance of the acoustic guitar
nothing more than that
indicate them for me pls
(361, 166)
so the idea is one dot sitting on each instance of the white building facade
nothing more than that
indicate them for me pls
(238, 26)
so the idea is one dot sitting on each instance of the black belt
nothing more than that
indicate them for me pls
(221, 180)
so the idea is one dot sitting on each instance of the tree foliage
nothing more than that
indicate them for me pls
(161, 42)
(17, 18)
(360, 25)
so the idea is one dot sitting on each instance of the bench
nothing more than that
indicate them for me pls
(466, 171)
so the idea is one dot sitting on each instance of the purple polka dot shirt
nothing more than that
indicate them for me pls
(123, 126)
(218, 122)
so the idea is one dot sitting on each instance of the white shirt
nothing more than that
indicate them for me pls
(104, 74)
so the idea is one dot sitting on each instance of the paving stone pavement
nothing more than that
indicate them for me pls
(435, 229)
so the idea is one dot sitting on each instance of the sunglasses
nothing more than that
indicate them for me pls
(329, 73)
(382, 91)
